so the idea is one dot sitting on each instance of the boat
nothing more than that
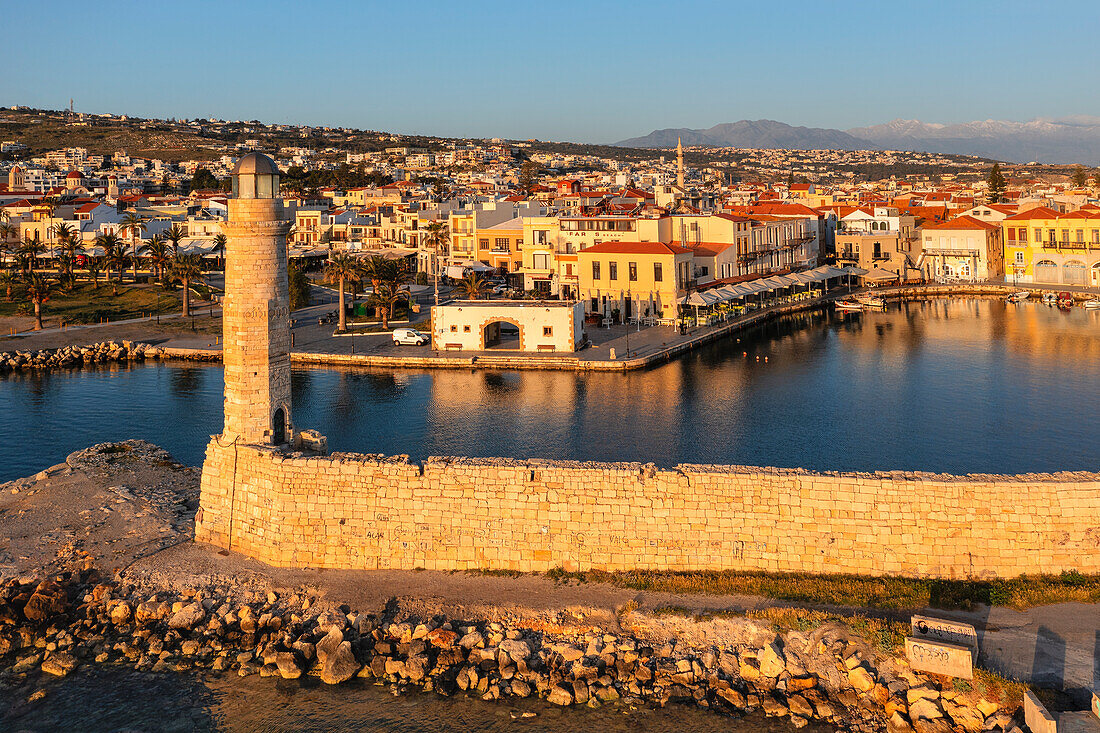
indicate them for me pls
(1019, 296)
(848, 305)
(1065, 300)
(870, 301)
(1050, 298)
(1094, 303)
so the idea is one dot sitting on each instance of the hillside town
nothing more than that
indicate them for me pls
(634, 241)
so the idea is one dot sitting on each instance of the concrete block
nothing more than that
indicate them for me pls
(1036, 716)
(939, 658)
(947, 632)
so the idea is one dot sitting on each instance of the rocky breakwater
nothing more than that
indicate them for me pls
(106, 352)
(51, 626)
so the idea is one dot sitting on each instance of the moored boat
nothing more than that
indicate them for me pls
(1050, 298)
(1019, 296)
(1065, 300)
(1094, 303)
(870, 301)
(848, 305)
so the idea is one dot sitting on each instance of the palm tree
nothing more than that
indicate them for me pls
(117, 259)
(343, 267)
(473, 286)
(436, 236)
(7, 281)
(220, 241)
(8, 232)
(135, 226)
(66, 261)
(391, 288)
(93, 266)
(31, 249)
(175, 235)
(38, 292)
(157, 252)
(187, 269)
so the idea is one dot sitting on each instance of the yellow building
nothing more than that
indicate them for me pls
(500, 245)
(1046, 247)
(634, 278)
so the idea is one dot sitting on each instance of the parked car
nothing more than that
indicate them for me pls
(409, 337)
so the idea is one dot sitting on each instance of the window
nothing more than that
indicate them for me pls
(540, 236)
(483, 243)
(1020, 258)
(1023, 235)
(547, 330)
(632, 271)
(569, 270)
(657, 274)
(595, 270)
(465, 329)
(454, 329)
(613, 271)
(1080, 236)
(540, 261)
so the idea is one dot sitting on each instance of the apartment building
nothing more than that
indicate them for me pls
(1044, 246)
(634, 279)
(964, 248)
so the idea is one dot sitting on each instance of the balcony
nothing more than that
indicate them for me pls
(1064, 245)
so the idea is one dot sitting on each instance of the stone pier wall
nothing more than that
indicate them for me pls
(362, 511)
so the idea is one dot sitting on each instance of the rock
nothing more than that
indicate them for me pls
(516, 649)
(987, 708)
(288, 666)
(798, 684)
(772, 707)
(898, 724)
(120, 613)
(328, 645)
(47, 601)
(340, 665)
(860, 678)
(442, 638)
(799, 706)
(560, 696)
(187, 617)
(799, 722)
(520, 688)
(772, 661)
(580, 692)
(924, 708)
(733, 698)
(939, 725)
(966, 718)
(26, 664)
(59, 664)
(921, 693)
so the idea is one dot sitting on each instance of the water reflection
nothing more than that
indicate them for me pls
(946, 385)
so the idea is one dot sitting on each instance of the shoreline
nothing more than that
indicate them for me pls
(121, 351)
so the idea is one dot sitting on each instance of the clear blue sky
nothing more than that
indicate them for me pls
(559, 70)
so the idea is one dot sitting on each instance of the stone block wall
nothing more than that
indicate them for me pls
(364, 511)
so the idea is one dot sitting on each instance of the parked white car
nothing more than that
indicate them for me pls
(409, 337)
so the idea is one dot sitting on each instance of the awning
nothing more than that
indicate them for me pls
(853, 270)
(878, 275)
(456, 271)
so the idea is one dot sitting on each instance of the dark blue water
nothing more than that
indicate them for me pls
(956, 386)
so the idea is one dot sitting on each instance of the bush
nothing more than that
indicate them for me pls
(421, 278)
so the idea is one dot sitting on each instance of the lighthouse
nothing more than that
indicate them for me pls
(256, 309)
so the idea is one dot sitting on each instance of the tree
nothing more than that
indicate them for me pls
(175, 235)
(116, 258)
(473, 286)
(342, 267)
(135, 226)
(157, 253)
(220, 241)
(7, 281)
(435, 237)
(66, 260)
(204, 180)
(299, 287)
(93, 266)
(527, 175)
(37, 292)
(392, 287)
(1080, 178)
(187, 269)
(997, 185)
(30, 249)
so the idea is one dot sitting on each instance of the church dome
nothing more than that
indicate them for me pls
(256, 164)
(74, 176)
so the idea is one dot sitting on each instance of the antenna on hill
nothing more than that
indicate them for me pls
(70, 106)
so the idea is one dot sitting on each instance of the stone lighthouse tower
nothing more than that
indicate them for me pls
(256, 309)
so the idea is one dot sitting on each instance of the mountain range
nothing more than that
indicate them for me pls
(1068, 140)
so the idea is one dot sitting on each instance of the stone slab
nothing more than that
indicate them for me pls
(1036, 716)
(1078, 722)
(1095, 705)
(947, 632)
(936, 657)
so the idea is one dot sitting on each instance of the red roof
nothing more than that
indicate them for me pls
(637, 248)
(1039, 212)
(963, 222)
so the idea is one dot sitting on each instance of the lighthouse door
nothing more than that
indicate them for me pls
(279, 427)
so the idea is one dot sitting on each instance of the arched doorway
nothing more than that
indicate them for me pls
(504, 335)
(278, 427)
(1046, 271)
(1074, 273)
(1096, 275)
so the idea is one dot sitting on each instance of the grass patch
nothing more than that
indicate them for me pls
(890, 593)
(88, 304)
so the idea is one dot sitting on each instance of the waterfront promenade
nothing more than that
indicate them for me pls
(633, 347)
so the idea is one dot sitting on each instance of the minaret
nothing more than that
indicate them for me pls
(679, 163)
(255, 310)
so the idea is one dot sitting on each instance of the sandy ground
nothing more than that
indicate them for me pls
(132, 510)
(175, 332)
